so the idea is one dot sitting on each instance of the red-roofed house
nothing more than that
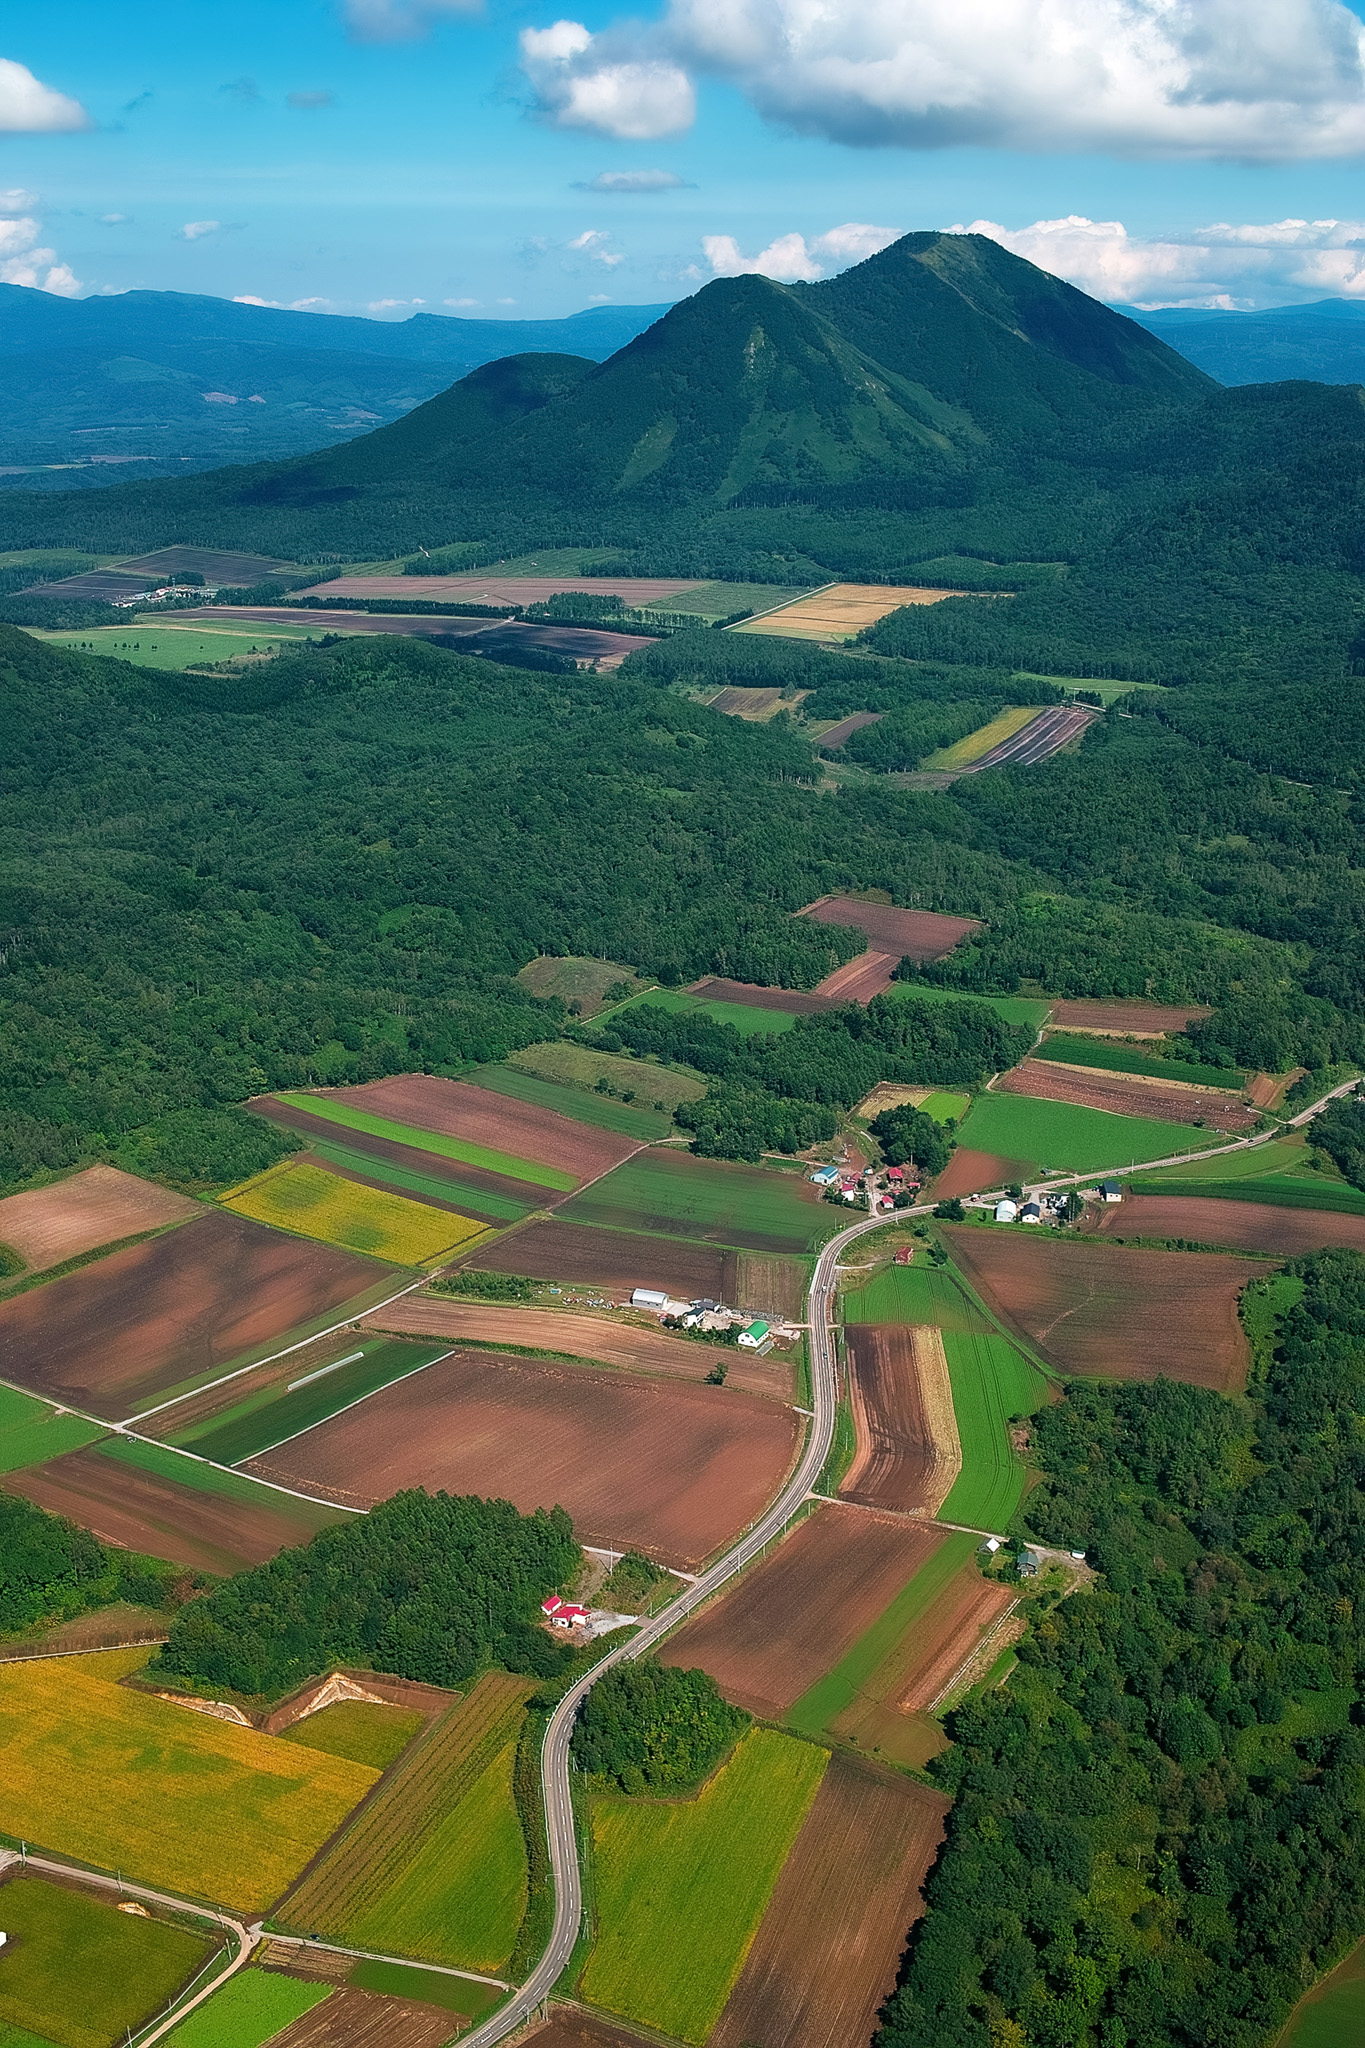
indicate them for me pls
(562, 1613)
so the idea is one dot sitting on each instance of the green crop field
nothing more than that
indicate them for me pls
(78, 1972)
(269, 1417)
(855, 1672)
(403, 1980)
(913, 1294)
(682, 1884)
(31, 1432)
(582, 1067)
(945, 1107)
(483, 1156)
(1070, 1139)
(1072, 1049)
(366, 1731)
(584, 1105)
(743, 1016)
(160, 645)
(1031, 1010)
(250, 2010)
(991, 1381)
(1278, 1155)
(1280, 1191)
(677, 1195)
(1333, 2013)
(169, 1464)
(492, 1208)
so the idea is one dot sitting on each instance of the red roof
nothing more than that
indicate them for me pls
(895, 1173)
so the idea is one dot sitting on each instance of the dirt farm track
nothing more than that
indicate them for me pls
(667, 1468)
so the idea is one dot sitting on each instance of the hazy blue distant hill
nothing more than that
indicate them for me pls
(1324, 341)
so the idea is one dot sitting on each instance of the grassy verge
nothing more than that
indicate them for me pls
(843, 1444)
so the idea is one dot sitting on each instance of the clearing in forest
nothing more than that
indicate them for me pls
(1030, 1010)
(46, 1226)
(907, 934)
(577, 980)
(1126, 1017)
(842, 611)
(1002, 727)
(319, 1204)
(739, 1010)
(679, 1195)
(581, 1067)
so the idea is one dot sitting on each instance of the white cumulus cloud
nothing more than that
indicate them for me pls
(28, 107)
(790, 259)
(1224, 264)
(23, 260)
(595, 243)
(195, 230)
(1263, 80)
(614, 85)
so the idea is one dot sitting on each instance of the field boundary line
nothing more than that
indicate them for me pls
(786, 604)
(410, 1374)
(155, 1444)
(920, 1515)
(369, 1955)
(95, 1650)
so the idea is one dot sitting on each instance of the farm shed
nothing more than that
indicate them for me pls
(755, 1334)
(1006, 1211)
(563, 1613)
(649, 1297)
(1111, 1191)
(825, 1176)
(1031, 1213)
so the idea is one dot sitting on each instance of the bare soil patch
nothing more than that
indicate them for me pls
(617, 1261)
(967, 1172)
(1247, 1226)
(846, 728)
(429, 1164)
(947, 1635)
(1130, 1095)
(738, 702)
(577, 2030)
(367, 2019)
(627, 1345)
(1123, 1017)
(770, 1285)
(500, 1122)
(792, 1618)
(826, 1953)
(667, 1468)
(871, 974)
(912, 934)
(144, 1319)
(99, 1206)
(798, 1002)
(1114, 1310)
(908, 1451)
(137, 1510)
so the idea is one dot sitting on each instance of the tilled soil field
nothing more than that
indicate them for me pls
(669, 1469)
(137, 1510)
(145, 1319)
(825, 1956)
(912, 934)
(618, 1261)
(1247, 1226)
(967, 1172)
(793, 1618)
(945, 1637)
(846, 728)
(100, 1206)
(429, 1165)
(770, 1285)
(1127, 1019)
(861, 979)
(499, 1122)
(1113, 1310)
(1130, 1095)
(908, 1450)
(576, 2030)
(590, 1337)
(367, 2019)
(798, 1002)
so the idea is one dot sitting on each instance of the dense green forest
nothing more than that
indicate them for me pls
(1340, 1131)
(907, 1136)
(648, 1727)
(428, 1586)
(51, 1571)
(1156, 1839)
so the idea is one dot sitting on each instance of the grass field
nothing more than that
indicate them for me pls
(78, 1972)
(682, 1885)
(1333, 2013)
(991, 1381)
(314, 1203)
(492, 1208)
(945, 1107)
(743, 1016)
(1030, 1010)
(250, 2010)
(913, 1294)
(1112, 1056)
(365, 1731)
(484, 1156)
(575, 979)
(1280, 1190)
(168, 1464)
(125, 1781)
(269, 1417)
(1103, 688)
(980, 742)
(678, 1195)
(1288, 1156)
(161, 645)
(580, 1067)
(1070, 1139)
(583, 1104)
(31, 1432)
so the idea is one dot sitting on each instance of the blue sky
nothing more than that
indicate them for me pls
(365, 155)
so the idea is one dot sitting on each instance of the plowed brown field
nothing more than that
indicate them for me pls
(137, 1510)
(1248, 1226)
(908, 1449)
(861, 979)
(799, 1002)
(99, 1206)
(590, 1337)
(947, 1635)
(770, 1285)
(967, 1172)
(791, 1620)
(615, 1260)
(825, 1956)
(500, 1122)
(1128, 1019)
(1129, 1095)
(145, 1319)
(576, 2030)
(429, 1164)
(367, 2019)
(845, 729)
(669, 1469)
(912, 934)
(1114, 1310)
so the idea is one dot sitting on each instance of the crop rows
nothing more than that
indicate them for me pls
(319, 1204)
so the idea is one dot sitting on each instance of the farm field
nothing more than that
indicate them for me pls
(841, 612)
(318, 1204)
(975, 744)
(577, 980)
(908, 1453)
(991, 1381)
(1131, 1095)
(657, 1465)
(616, 1261)
(1071, 1048)
(46, 1226)
(1320, 1192)
(969, 1171)
(858, 980)
(791, 1618)
(1088, 1307)
(250, 2010)
(568, 2029)
(757, 996)
(843, 729)
(158, 644)
(707, 1865)
(636, 1120)
(409, 1167)
(435, 1866)
(352, 2018)
(509, 1130)
(317, 1392)
(1128, 1018)
(126, 1781)
(592, 1337)
(1031, 1010)
(367, 1731)
(769, 1284)
(343, 1162)
(177, 1510)
(1069, 1138)
(1252, 1225)
(1279, 1156)
(510, 1171)
(908, 934)
(31, 1432)
(580, 1067)
(741, 1012)
(826, 1952)
(180, 1306)
(1332, 2015)
(677, 1194)
(913, 1294)
(127, 1968)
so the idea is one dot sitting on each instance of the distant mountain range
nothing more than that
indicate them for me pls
(1324, 341)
